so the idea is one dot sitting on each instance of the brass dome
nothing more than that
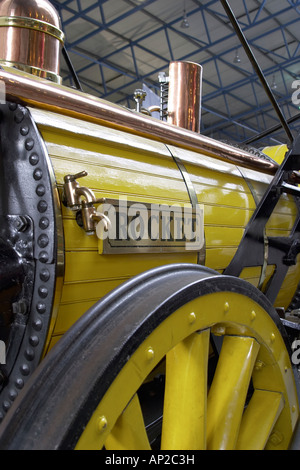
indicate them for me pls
(31, 37)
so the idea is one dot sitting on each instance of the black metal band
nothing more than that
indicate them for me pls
(187, 181)
(192, 196)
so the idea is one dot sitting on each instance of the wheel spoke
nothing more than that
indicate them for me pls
(184, 421)
(259, 419)
(129, 431)
(228, 391)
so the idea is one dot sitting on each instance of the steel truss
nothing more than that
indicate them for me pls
(234, 105)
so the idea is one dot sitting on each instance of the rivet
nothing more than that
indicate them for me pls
(44, 223)
(19, 116)
(37, 324)
(150, 354)
(24, 130)
(34, 340)
(272, 337)
(41, 307)
(19, 383)
(43, 257)
(24, 369)
(13, 394)
(6, 405)
(102, 423)
(192, 317)
(44, 275)
(29, 354)
(40, 190)
(253, 315)
(29, 144)
(43, 292)
(226, 307)
(38, 174)
(42, 206)
(293, 409)
(43, 241)
(34, 159)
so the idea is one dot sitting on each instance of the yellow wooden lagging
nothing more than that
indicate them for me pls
(144, 170)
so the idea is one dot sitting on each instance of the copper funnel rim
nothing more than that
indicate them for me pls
(190, 62)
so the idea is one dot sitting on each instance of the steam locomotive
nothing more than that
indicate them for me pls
(149, 274)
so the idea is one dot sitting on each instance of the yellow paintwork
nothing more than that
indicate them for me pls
(227, 395)
(186, 364)
(276, 152)
(258, 421)
(253, 347)
(143, 170)
(129, 431)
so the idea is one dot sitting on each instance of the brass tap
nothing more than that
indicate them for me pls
(81, 198)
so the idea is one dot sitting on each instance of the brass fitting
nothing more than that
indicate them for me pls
(81, 198)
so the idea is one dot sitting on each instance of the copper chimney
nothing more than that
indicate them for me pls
(31, 37)
(184, 102)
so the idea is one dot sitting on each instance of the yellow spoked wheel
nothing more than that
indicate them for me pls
(179, 358)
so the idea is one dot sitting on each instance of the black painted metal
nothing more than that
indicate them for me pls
(71, 69)
(282, 251)
(12, 277)
(16, 286)
(267, 132)
(257, 68)
(28, 226)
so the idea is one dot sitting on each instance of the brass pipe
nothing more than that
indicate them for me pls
(53, 97)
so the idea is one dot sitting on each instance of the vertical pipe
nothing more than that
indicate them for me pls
(184, 104)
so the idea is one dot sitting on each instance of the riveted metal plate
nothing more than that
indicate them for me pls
(26, 194)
